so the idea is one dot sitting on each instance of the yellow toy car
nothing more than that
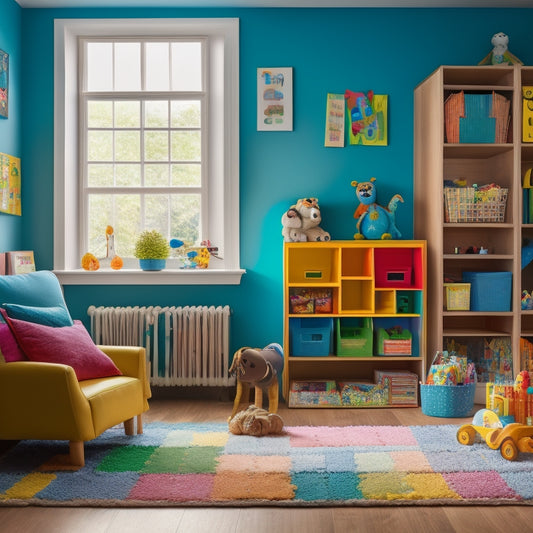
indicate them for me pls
(511, 439)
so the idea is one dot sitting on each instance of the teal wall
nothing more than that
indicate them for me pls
(387, 50)
(10, 128)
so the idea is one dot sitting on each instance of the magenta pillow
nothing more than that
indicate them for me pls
(69, 345)
(8, 344)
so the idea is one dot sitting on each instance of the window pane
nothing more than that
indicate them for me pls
(156, 114)
(186, 175)
(185, 114)
(185, 217)
(157, 65)
(99, 67)
(99, 145)
(127, 66)
(99, 114)
(186, 66)
(156, 175)
(156, 145)
(127, 224)
(128, 175)
(186, 146)
(128, 114)
(100, 175)
(156, 212)
(100, 213)
(127, 146)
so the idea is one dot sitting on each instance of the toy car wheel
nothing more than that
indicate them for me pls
(466, 435)
(508, 449)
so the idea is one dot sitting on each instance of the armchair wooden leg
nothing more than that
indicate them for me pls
(129, 426)
(139, 424)
(77, 453)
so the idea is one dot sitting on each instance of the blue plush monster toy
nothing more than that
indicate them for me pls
(375, 221)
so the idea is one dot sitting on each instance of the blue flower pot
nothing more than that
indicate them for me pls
(152, 264)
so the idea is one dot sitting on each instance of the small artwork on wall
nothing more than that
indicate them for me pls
(4, 82)
(274, 99)
(367, 117)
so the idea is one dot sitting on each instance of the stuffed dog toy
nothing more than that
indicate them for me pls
(301, 222)
(256, 422)
(259, 369)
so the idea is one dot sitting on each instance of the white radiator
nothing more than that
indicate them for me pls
(185, 346)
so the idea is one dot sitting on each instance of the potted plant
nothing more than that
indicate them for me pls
(152, 250)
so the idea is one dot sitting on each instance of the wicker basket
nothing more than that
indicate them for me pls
(467, 204)
(447, 401)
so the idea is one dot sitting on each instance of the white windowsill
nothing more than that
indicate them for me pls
(139, 277)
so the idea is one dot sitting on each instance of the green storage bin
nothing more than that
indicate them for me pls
(394, 341)
(354, 337)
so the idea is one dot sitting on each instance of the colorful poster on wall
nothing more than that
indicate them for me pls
(10, 184)
(367, 117)
(335, 121)
(274, 99)
(4, 82)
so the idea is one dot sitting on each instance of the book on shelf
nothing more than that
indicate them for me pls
(403, 386)
(19, 262)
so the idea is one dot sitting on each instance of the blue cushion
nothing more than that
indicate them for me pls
(48, 316)
(39, 289)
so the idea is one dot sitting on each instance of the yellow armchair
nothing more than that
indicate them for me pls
(44, 400)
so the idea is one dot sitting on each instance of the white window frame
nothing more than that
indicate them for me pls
(223, 37)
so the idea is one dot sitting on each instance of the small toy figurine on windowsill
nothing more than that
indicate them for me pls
(500, 54)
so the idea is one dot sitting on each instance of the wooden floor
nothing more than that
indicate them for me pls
(272, 519)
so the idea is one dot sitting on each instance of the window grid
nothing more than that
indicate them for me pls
(143, 97)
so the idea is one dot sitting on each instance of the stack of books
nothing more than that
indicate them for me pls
(403, 386)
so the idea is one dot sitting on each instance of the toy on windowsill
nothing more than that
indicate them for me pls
(500, 54)
(301, 222)
(92, 263)
(373, 220)
(193, 257)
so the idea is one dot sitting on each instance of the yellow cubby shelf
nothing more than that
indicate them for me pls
(332, 288)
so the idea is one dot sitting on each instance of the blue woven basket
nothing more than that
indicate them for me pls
(447, 401)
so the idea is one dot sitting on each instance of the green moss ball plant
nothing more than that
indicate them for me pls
(152, 250)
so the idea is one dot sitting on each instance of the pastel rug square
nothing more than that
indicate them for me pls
(126, 459)
(252, 485)
(25, 487)
(374, 462)
(447, 461)
(210, 438)
(312, 486)
(85, 484)
(323, 459)
(410, 461)
(438, 438)
(195, 460)
(253, 463)
(305, 461)
(520, 482)
(481, 485)
(178, 438)
(173, 487)
(247, 445)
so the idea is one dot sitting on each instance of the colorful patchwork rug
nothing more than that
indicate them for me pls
(203, 464)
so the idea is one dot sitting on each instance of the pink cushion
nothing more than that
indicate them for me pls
(69, 345)
(8, 345)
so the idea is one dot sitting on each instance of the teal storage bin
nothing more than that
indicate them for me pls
(310, 337)
(489, 291)
(447, 401)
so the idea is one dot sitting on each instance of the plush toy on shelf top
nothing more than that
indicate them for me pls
(375, 221)
(500, 54)
(301, 222)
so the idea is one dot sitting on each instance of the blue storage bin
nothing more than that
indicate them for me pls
(489, 291)
(310, 337)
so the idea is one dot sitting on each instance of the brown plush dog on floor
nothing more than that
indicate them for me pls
(259, 369)
(256, 422)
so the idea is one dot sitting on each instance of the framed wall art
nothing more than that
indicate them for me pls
(4, 83)
(274, 99)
